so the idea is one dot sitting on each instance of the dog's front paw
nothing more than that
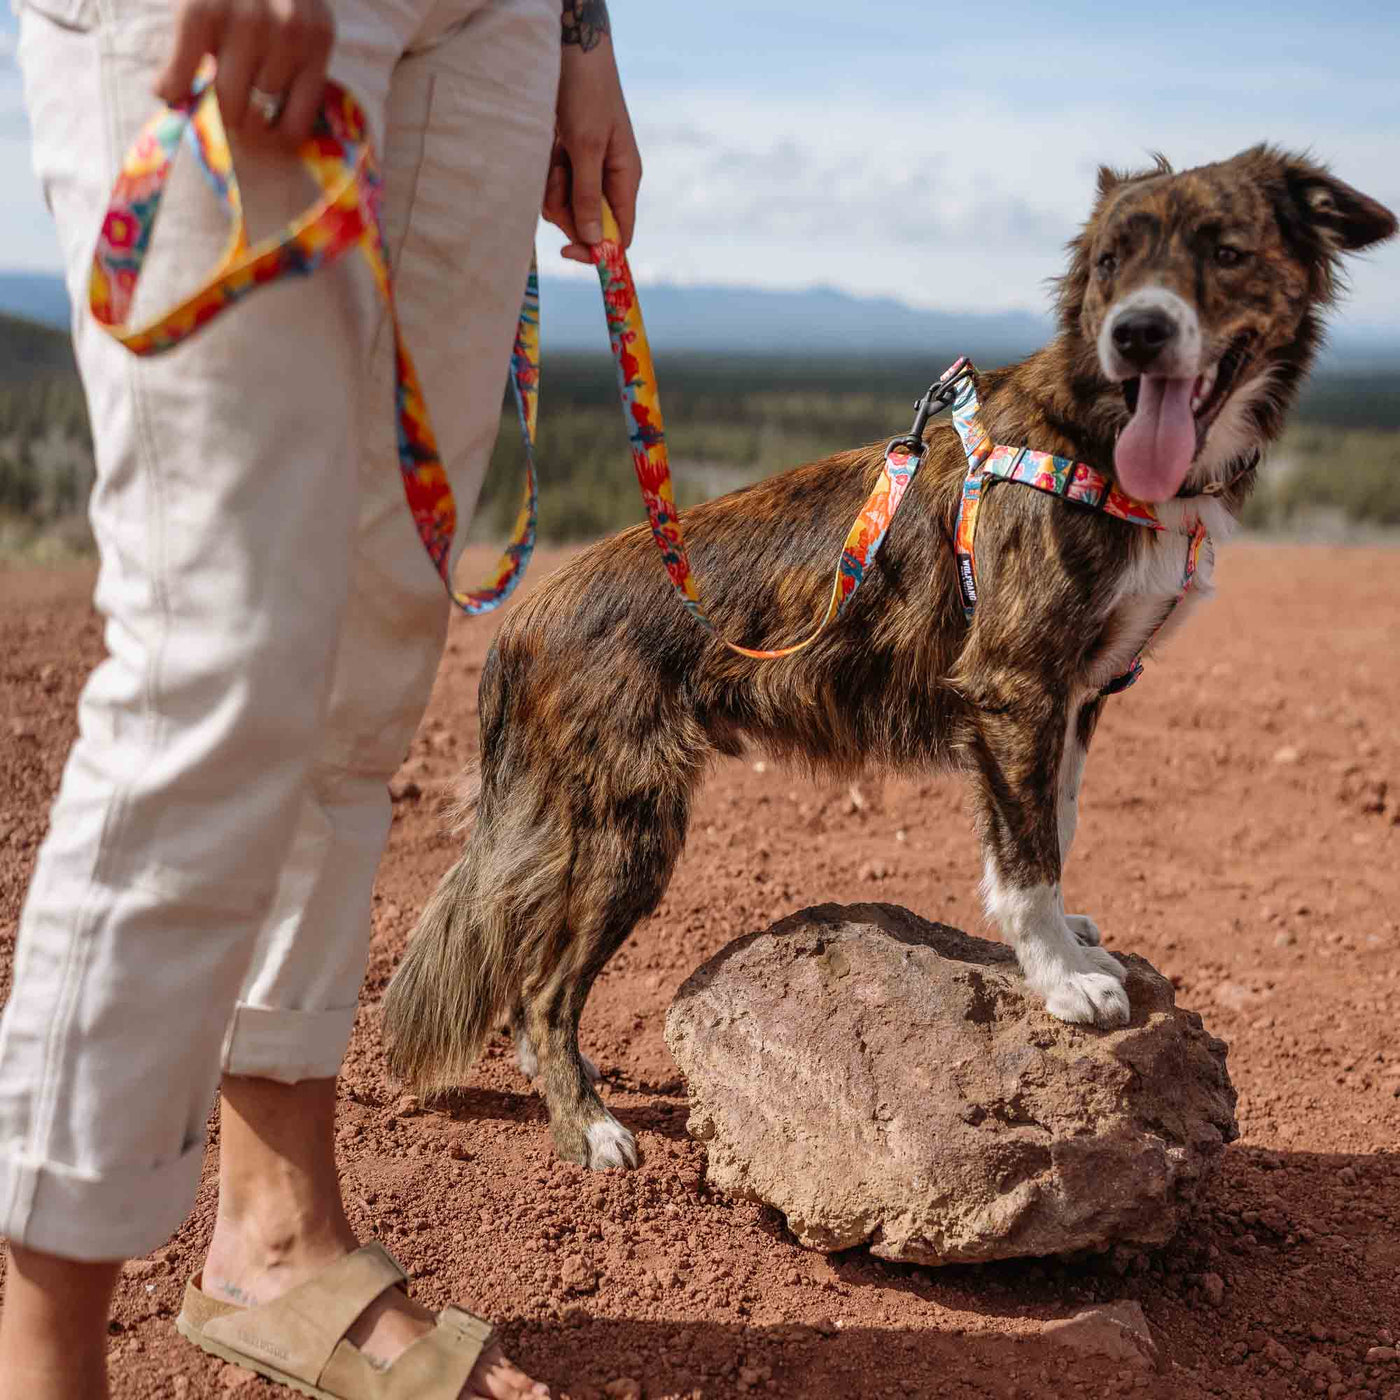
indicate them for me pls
(1093, 996)
(1085, 930)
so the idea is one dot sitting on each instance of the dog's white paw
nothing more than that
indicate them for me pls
(1085, 930)
(610, 1144)
(1091, 997)
(1101, 960)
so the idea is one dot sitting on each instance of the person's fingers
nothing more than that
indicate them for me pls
(273, 78)
(240, 56)
(620, 184)
(313, 39)
(298, 117)
(586, 189)
(196, 34)
(555, 206)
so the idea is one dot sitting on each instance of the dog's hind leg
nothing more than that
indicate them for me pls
(624, 852)
(1018, 751)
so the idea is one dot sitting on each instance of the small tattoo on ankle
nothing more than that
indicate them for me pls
(232, 1293)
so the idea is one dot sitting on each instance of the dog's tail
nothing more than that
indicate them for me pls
(462, 975)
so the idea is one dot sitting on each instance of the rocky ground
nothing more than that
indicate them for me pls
(1241, 830)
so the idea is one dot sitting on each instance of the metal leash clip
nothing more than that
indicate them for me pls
(938, 397)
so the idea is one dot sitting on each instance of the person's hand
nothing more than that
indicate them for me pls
(272, 57)
(595, 152)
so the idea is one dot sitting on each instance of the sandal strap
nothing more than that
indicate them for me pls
(299, 1331)
(435, 1367)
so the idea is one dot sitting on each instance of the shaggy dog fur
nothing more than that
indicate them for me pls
(602, 703)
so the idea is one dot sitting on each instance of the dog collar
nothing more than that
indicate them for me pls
(1076, 482)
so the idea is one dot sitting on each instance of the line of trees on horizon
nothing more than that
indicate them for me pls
(730, 421)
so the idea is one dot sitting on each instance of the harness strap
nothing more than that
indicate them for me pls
(1072, 481)
(341, 159)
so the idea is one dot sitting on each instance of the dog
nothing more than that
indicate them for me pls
(1187, 319)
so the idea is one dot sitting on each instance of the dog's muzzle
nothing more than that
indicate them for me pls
(1150, 331)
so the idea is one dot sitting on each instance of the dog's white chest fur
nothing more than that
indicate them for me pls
(1148, 588)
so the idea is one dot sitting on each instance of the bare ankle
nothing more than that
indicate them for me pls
(280, 1214)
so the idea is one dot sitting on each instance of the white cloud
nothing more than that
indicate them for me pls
(946, 188)
(960, 202)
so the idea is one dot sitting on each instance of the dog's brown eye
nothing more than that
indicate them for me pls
(1107, 264)
(1226, 256)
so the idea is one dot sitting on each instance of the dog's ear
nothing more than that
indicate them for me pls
(1109, 179)
(1342, 217)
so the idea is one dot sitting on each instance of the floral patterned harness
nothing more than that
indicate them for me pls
(1072, 481)
(341, 159)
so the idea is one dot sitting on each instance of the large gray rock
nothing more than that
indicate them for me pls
(880, 1079)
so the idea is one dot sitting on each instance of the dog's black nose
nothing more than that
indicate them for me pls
(1140, 336)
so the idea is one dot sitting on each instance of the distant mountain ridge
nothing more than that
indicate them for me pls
(821, 320)
(817, 321)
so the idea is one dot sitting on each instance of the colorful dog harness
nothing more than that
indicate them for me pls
(340, 158)
(1075, 482)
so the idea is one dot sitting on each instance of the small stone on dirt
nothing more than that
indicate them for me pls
(624, 1388)
(1213, 1286)
(233, 1377)
(929, 1106)
(1118, 1331)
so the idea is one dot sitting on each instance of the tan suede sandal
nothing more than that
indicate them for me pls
(299, 1338)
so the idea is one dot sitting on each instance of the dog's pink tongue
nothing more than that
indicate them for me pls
(1154, 451)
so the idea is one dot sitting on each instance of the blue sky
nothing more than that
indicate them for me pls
(940, 154)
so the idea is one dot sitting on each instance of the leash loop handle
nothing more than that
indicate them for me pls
(340, 158)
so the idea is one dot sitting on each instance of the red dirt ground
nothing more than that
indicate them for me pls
(1241, 830)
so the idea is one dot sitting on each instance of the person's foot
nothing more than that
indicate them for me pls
(248, 1266)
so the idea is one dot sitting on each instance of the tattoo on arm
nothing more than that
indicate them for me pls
(585, 23)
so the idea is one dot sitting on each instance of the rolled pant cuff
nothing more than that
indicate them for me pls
(58, 1209)
(288, 1046)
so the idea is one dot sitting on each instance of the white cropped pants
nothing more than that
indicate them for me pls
(273, 624)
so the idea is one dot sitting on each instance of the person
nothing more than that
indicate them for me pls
(199, 912)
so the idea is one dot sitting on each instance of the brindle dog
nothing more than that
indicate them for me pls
(1187, 320)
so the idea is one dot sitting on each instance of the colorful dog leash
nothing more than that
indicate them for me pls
(341, 159)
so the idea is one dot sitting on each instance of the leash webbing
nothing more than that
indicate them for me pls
(341, 159)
